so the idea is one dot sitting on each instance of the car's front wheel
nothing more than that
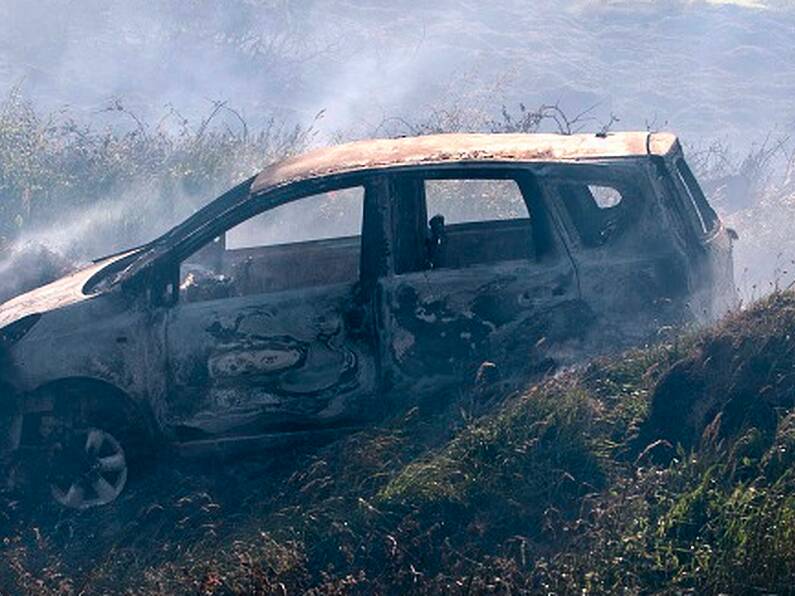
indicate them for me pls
(88, 468)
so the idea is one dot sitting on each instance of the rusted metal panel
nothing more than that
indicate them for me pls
(108, 338)
(59, 294)
(269, 353)
(451, 148)
(246, 364)
(442, 325)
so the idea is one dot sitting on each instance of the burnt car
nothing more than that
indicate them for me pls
(339, 284)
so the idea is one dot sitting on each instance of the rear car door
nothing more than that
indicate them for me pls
(635, 271)
(492, 281)
(271, 331)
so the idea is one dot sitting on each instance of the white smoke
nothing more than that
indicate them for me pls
(704, 69)
(61, 245)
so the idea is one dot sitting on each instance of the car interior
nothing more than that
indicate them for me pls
(445, 219)
(449, 221)
(306, 243)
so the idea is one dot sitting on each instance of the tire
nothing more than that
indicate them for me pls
(88, 444)
(88, 468)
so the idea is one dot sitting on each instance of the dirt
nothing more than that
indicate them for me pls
(740, 376)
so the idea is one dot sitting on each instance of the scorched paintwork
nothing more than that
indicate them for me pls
(189, 342)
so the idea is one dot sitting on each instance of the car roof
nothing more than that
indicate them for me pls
(381, 154)
(376, 154)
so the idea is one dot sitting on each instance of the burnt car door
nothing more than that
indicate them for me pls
(635, 266)
(478, 273)
(271, 331)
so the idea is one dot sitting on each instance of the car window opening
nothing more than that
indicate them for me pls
(310, 242)
(600, 213)
(605, 197)
(707, 218)
(475, 221)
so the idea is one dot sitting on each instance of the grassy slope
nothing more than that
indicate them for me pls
(668, 468)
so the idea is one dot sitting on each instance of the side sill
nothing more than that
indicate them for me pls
(231, 446)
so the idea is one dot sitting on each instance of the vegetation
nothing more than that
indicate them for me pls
(666, 469)
(55, 169)
(81, 190)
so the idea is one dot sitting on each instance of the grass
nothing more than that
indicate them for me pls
(55, 168)
(585, 482)
(664, 469)
(71, 191)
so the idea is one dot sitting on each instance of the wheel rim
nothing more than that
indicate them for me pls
(89, 471)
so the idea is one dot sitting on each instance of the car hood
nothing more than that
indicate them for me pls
(62, 292)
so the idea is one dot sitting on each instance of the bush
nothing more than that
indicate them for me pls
(135, 178)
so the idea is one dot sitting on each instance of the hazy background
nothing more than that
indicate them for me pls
(720, 74)
(705, 69)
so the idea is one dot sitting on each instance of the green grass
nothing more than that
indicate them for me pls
(668, 468)
(554, 489)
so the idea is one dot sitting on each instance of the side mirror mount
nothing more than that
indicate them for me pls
(732, 234)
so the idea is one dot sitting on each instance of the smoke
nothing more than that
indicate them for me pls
(50, 251)
(701, 68)
(704, 69)
(28, 266)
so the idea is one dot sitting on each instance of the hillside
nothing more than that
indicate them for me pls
(668, 468)
(707, 68)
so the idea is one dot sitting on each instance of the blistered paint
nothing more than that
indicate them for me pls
(243, 366)
(286, 358)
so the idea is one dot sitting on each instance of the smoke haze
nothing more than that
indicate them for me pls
(704, 69)
(707, 70)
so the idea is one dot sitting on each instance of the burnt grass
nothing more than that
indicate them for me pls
(666, 469)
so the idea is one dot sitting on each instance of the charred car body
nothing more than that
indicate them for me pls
(335, 283)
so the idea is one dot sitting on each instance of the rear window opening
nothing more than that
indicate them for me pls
(605, 197)
(707, 218)
(600, 213)
(476, 221)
